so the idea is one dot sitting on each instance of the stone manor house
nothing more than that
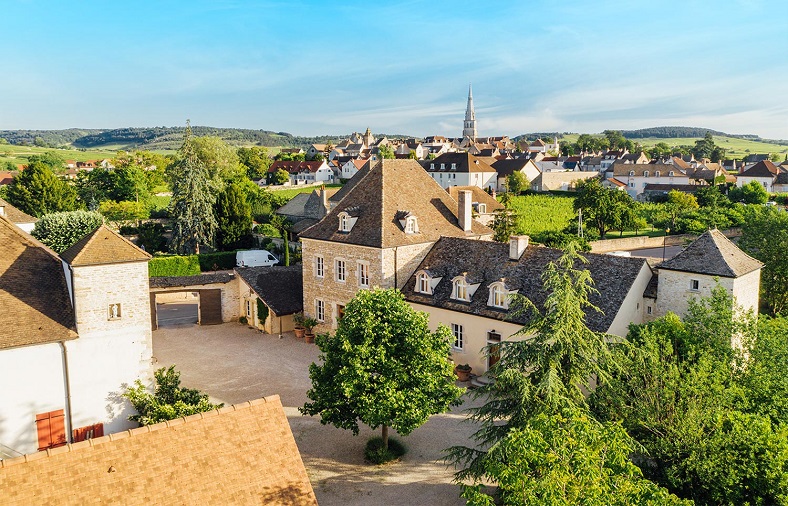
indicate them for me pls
(393, 225)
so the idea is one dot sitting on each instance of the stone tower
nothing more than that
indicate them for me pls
(469, 126)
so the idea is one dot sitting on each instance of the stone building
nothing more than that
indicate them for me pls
(74, 330)
(376, 234)
(710, 260)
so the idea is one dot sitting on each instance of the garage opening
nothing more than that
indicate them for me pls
(177, 309)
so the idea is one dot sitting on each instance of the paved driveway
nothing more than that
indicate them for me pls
(233, 363)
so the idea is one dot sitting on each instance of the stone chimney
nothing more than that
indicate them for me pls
(517, 246)
(464, 212)
(323, 201)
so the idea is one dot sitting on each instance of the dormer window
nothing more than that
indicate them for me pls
(645, 173)
(670, 173)
(346, 222)
(453, 166)
(631, 172)
(411, 225)
(425, 283)
(656, 173)
(432, 166)
(460, 289)
(499, 296)
(443, 166)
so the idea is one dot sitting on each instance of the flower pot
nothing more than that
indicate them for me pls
(309, 337)
(462, 374)
(299, 332)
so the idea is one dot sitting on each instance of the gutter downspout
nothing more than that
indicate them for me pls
(67, 385)
(396, 267)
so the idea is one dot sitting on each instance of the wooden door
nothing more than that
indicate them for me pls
(211, 306)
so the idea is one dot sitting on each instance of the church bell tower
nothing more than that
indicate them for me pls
(469, 126)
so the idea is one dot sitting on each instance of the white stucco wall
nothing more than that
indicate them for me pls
(632, 309)
(32, 382)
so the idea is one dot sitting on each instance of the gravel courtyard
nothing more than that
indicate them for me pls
(233, 363)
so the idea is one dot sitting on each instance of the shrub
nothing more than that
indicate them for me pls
(220, 260)
(60, 231)
(128, 230)
(151, 237)
(262, 311)
(267, 230)
(374, 452)
(174, 266)
(243, 320)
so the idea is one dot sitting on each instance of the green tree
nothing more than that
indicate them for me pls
(711, 196)
(168, 401)
(764, 236)
(234, 219)
(602, 207)
(516, 182)
(281, 176)
(283, 226)
(256, 161)
(191, 206)
(750, 193)
(385, 152)
(150, 237)
(124, 211)
(660, 150)
(566, 458)
(383, 367)
(504, 224)
(38, 191)
(219, 159)
(62, 230)
(677, 204)
(616, 140)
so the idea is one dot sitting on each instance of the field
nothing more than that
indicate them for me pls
(20, 154)
(541, 213)
(735, 148)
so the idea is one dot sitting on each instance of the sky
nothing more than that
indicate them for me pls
(325, 68)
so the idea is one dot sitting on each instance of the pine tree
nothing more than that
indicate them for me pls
(192, 202)
(234, 217)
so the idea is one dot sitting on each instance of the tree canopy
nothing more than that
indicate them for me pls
(62, 230)
(383, 367)
(603, 208)
(37, 190)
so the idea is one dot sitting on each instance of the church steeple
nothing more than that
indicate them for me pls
(469, 126)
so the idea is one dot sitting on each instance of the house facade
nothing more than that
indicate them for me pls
(377, 234)
(461, 169)
(637, 175)
(80, 325)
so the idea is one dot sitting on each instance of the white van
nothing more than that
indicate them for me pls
(255, 258)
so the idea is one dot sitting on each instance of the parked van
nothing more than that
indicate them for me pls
(255, 258)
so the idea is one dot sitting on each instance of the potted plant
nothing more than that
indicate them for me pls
(463, 372)
(309, 325)
(299, 330)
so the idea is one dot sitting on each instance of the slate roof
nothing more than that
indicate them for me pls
(242, 454)
(506, 167)
(295, 207)
(379, 193)
(352, 182)
(486, 262)
(16, 215)
(35, 305)
(479, 196)
(713, 254)
(208, 278)
(666, 187)
(281, 288)
(763, 168)
(103, 246)
(465, 162)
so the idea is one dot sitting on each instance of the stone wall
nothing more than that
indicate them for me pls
(642, 241)
(675, 290)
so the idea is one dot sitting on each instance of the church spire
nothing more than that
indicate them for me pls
(469, 126)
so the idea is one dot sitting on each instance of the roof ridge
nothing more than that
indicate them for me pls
(29, 238)
(145, 429)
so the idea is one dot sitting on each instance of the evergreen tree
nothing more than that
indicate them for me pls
(191, 207)
(38, 191)
(234, 219)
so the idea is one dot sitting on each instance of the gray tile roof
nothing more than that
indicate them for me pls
(379, 194)
(281, 288)
(763, 168)
(295, 206)
(506, 167)
(35, 305)
(486, 262)
(464, 162)
(201, 279)
(713, 254)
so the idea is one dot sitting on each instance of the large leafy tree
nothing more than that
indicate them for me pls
(256, 161)
(385, 152)
(602, 207)
(191, 206)
(764, 236)
(234, 219)
(62, 230)
(751, 193)
(516, 182)
(38, 191)
(383, 367)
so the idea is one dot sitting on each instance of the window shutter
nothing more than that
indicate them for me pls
(51, 429)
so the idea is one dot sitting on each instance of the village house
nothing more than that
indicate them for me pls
(505, 168)
(461, 169)
(307, 172)
(271, 296)
(80, 324)
(764, 173)
(484, 205)
(637, 175)
(376, 234)
(560, 180)
(19, 218)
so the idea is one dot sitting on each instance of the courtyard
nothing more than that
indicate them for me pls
(233, 363)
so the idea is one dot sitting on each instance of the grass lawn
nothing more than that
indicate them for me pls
(290, 193)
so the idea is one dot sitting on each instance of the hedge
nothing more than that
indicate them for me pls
(221, 260)
(174, 266)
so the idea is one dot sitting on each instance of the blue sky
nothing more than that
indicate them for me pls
(312, 67)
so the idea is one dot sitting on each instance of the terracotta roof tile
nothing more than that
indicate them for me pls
(243, 454)
(103, 246)
(35, 306)
(16, 215)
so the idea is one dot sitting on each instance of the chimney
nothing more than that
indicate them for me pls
(2, 210)
(464, 214)
(517, 245)
(324, 201)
